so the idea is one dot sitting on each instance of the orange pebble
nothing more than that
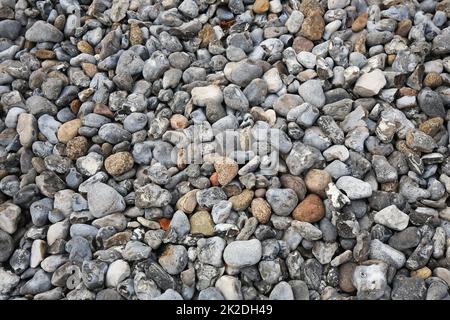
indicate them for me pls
(164, 223)
(214, 179)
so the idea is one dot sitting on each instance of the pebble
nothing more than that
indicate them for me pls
(354, 188)
(104, 200)
(174, 259)
(239, 254)
(261, 210)
(370, 84)
(392, 218)
(311, 209)
(282, 201)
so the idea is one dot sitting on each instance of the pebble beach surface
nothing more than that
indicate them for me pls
(101, 103)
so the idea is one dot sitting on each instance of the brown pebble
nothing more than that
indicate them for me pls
(403, 28)
(178, 121)
(119, 163)
(260, 193)
(432, 80)
(406, 91)
(89, 69)
(242, 201)
(360, 22)
(85, 47)
(226, 169)
(345, 277)
(75, 106)
(260, 6)
(431, 126)
(103, 110)
(76, 147)
(302, 44)
(313, 27)
(261, 210)
(207, 35)
(317, 181)
(69, 130)
(311, 209)
(295, 183)
(45, 54)
(188, 202)
(135, 34)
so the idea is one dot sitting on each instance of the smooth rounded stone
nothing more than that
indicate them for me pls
(38, 249)
(226, 169)
(49, 127)
(312, 92)
(229, 287)
(135, 122)
(119, 163)
(239, 254)
(113, 133)
(286, 102)
(174, 259)
(370, 280)
(9, 217)
(180, 223)
(311, 209)
(207, 198)
(42, 31)
(9, 29)
(354, 188)
(204, 96)
(58, 230)
(234, 98)
(392, 218)
(383, 252)
(220, 211)
(282, 201)
(431, 103)
(12, 116)
(202, 223)
(188, 202)
(104, 200)
(317, 181)
(405, 288)
(6, 246)
(282, 291)
(68, 130)
(243, 72)
(152, 195)
(256, 92)
(294, 22)
(39, 283)
(118, 271)
(210, 251)
(442, 273)
(261, 210)
(26, 129)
